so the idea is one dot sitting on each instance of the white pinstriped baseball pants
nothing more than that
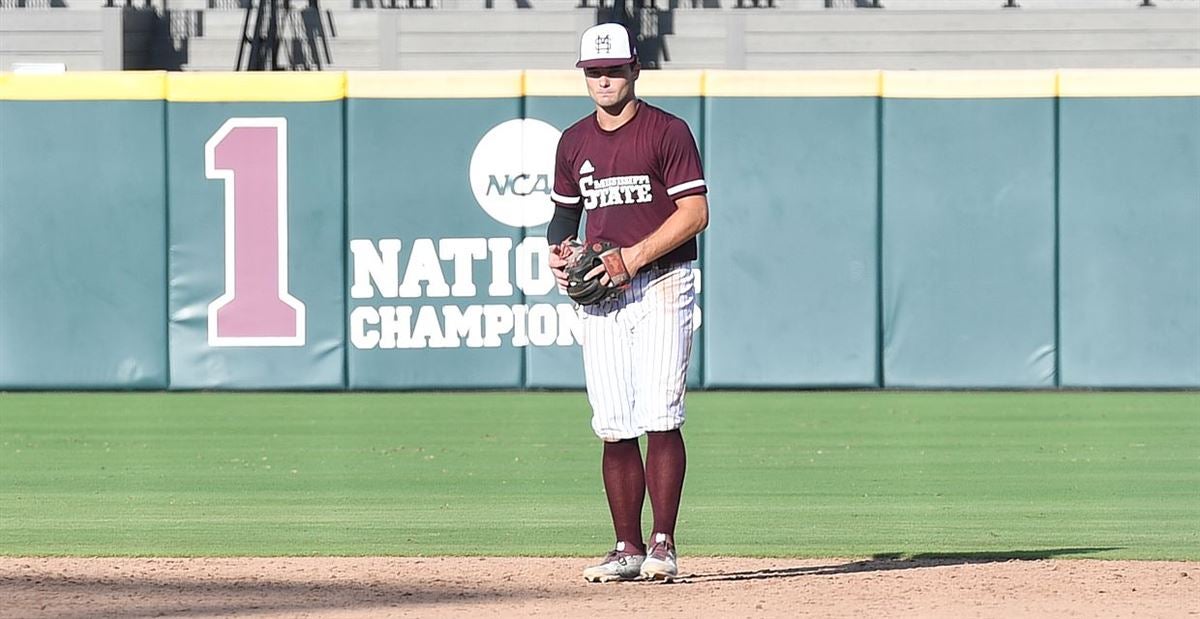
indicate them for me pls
(636, 349)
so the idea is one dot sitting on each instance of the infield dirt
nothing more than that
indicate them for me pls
(513, 587)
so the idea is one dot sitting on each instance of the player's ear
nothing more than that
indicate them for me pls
(634, 69)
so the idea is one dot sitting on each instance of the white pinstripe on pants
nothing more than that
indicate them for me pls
(636, 350)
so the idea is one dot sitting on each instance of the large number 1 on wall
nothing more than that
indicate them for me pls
(250, 156)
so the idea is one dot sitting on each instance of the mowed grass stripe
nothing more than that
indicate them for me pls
(1105, 475)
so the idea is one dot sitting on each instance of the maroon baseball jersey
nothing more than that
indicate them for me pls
(628, 179)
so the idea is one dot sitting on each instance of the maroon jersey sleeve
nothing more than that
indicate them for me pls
(566, 189)
(682, 173)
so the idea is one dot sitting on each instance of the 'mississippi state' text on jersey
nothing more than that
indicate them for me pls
(629, 179)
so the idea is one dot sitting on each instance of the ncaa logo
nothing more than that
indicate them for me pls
(512, 172)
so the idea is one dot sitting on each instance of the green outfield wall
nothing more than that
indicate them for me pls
(1129, 207)
(385, 231)
(427, 308)
(83, 218)
(968, 192)
(255, 200)
(792, 257)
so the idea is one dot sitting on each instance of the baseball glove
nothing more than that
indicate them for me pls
(582, 259)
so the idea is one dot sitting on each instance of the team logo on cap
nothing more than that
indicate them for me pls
(603, 44)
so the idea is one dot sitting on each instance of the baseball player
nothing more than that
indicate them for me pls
(635, 170)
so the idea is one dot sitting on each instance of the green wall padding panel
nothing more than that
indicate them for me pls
(1130, 248)
(791, 252)
(265, 341)
(82, 245)
(968, 243)
(408, 169)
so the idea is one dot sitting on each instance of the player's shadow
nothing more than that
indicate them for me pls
(135, 596)
(886, 561)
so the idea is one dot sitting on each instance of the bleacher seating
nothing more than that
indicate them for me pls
(676, 34)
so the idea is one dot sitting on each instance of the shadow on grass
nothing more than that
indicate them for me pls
(887, 561)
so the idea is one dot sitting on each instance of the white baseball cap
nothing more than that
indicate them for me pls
(606, 45)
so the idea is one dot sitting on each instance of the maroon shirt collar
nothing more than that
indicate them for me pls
(637, 113)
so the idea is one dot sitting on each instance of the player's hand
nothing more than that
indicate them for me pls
(558, 262)
(629, 256)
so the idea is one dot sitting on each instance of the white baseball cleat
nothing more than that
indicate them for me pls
(619, 564)
(660, 563)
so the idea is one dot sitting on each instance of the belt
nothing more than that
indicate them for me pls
(663, 264)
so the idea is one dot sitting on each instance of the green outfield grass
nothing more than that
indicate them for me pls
(1105, 475)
